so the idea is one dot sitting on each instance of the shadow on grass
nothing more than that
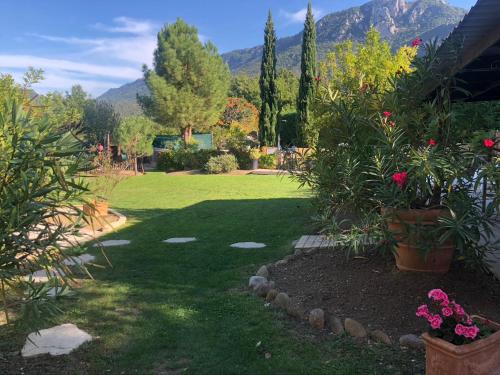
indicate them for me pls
(165, 307)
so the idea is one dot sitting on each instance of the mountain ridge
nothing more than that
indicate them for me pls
(398, 21)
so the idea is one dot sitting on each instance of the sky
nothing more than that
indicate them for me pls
(101, 44)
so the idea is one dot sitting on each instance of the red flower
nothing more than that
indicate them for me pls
(488, 143)
(392, 124)
(432, 142)
(317, 79)
(100, 148)
(400, 179)
(416, 42)
(387, 114)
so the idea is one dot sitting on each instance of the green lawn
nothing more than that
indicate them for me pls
(162, 307)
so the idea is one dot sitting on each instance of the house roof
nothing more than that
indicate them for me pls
(471, 52)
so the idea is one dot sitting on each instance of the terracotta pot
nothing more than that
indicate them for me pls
(408, 255)
(481, 357)
(96, 208)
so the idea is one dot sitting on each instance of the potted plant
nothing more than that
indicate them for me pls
(456, 342)
(102, 184)
(254, 156)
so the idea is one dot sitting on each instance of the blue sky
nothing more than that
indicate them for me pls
(103, 43)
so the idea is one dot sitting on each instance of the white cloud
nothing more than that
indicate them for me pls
(129, 26)
(300, 15)
(25, 61)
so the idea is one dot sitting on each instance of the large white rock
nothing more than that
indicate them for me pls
(58, 340)
(256, 281)
(248, 245)
(109, 243)
(180, 240)
(79, 260)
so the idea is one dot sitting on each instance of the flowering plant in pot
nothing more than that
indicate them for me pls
(426, 173)
(254, 156)
(457, 342)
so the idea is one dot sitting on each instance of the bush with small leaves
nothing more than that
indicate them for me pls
(221, 164)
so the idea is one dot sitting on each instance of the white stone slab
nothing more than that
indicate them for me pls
(109, 243)
(40, 276)
(248, 245)
(58, 340)
(180, 240)
(79, 260)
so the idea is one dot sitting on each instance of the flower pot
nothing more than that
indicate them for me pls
(96, 208)
(409, 257)
(481, 357)
(255, 164)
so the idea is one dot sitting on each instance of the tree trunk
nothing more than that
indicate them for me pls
(187, 135)
(135, 166)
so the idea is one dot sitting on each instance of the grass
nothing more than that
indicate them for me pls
(168, 309)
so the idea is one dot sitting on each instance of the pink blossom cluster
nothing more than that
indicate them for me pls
(450, 312)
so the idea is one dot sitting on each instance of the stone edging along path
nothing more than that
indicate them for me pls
(262, 285)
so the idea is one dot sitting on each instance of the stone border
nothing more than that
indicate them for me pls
(262, 286)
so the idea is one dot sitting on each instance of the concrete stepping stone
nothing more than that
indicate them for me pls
(110, 243)
(180, 240)
(79, 260)
(40, 276)
(248, 245)
(58, 340)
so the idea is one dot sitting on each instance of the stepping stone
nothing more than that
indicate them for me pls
(109, 243)
(58, 340)
(180, 240)
(40, 276)
(248, 245)
(314, 242)
(79, 260)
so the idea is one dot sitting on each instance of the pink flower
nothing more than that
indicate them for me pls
(317, 79)
(471, 332)
(387, 114)
(100, 148)
(400, 179)
(416, 42)
(423, 311)
(459, 310)
(392, 124)
(435, 321)
(438, 295)
(460, 329)
(432, 142)
(488, 143)
(447, 311)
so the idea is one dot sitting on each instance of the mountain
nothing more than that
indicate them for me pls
(124, 98)
(398, 21)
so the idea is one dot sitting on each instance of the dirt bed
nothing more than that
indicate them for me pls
(371, 290)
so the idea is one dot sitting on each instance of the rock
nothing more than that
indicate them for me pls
(248, 245)
(57, 340)
(263, 271)
(282, 301)
(281, 262)
(288, 258)
(336, 325)
(110, 243)
(271, 295)
(262, 289)
(411, 341)
(255, 281)
(317, 319)
(354, 328)
(180, 240)
(298, 252)
(381, 336)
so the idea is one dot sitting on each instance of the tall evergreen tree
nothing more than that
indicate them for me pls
(307, 86)
(268, 90)
(189, 82)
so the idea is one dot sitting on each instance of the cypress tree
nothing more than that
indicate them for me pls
(268, 90)
(307, 85)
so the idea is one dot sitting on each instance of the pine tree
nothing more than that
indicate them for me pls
(189, 82)
(307, 86)
(268, 89)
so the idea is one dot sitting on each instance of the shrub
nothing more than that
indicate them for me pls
(268, 161)
(184, 158)
(221, 164)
